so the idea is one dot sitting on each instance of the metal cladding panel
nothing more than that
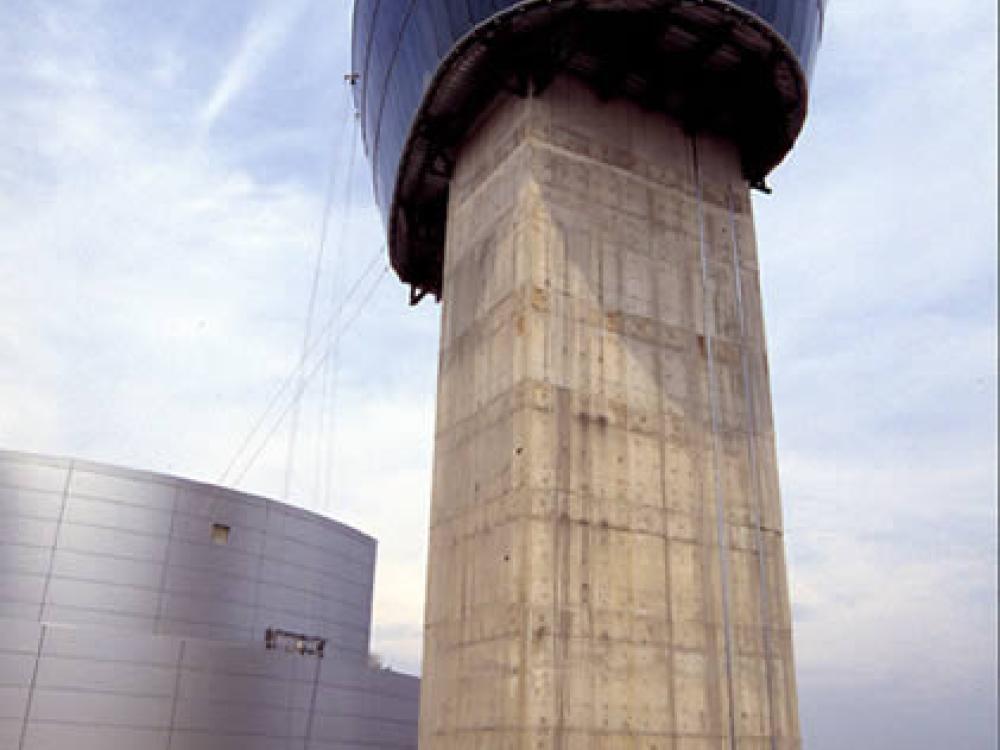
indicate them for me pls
(132, 628)
(87, 688)
(398, 46)
(88, 544)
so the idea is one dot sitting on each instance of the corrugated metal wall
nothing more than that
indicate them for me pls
(125, 623)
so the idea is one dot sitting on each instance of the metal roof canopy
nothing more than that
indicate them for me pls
(711, 64)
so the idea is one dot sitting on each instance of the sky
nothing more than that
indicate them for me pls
(165, 171)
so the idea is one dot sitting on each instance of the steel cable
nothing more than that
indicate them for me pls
(311, 372)
(311, 308)
(328, 386)
(292, 376)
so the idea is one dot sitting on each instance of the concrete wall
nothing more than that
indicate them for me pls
(606, 559)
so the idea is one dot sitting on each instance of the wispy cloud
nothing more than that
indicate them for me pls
(263, 36)
(152, 287)
(152, 284)
(879, 265)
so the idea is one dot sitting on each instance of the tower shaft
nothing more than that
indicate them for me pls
(606, 565)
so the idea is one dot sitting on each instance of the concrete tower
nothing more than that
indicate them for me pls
(571, 178)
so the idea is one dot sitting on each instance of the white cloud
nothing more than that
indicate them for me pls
(153, 293)
(264, 35)
(153, 282)
(887, 560)
(879, 264)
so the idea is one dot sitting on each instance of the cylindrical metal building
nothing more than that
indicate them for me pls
(145, 611)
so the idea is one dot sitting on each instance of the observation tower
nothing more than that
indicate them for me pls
(571, 179)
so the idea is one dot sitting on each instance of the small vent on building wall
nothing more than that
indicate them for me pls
(294, 643)
(220, 533)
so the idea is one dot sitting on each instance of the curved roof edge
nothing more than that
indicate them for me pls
(65, 462)
(714, 64)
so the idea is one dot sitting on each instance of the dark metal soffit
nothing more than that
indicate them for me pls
(711, 64)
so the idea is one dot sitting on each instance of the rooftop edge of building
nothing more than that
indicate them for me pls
(98, 467)
(427, 71)
(85, 543)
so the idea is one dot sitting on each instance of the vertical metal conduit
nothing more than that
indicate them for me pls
(756, 498)
(720, 505)
(308, 735)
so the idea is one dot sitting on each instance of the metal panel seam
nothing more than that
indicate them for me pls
(161, 591)
(312, 706)
(55, 540)
(176, 696)
(368, 56)
(385, 89)
(31, 688)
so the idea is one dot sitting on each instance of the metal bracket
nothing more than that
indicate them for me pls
(416, 294)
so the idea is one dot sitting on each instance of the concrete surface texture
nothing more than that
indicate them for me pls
(606, 563)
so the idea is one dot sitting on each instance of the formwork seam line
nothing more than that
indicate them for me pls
(756, 495)
(720, 506)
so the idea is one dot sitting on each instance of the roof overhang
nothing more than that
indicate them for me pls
(714, 66)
